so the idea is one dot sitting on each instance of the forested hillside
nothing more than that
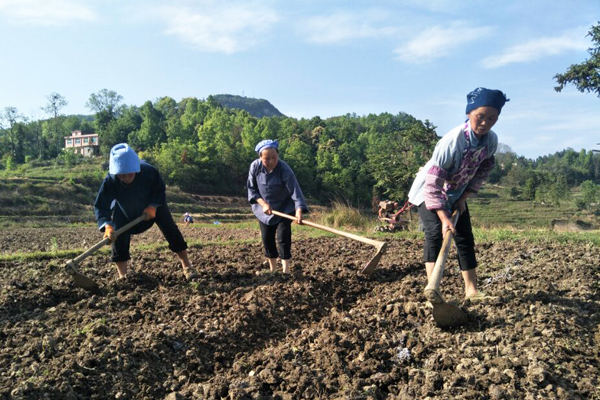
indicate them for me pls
(256, 107)
(204, 147)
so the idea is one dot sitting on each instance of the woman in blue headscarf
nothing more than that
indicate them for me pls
(272, 185)
(461, 161)
(131, 188)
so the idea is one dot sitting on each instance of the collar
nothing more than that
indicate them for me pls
(263, 169)
(472, 138)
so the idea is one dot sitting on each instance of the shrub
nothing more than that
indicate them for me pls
(343, 214)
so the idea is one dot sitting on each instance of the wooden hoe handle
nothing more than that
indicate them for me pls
(372, 242)
(105, 241)
(440, 263)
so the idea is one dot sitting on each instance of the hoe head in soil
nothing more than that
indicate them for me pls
(374, 261)
(79, 279)
(83, 281)
(446, 315)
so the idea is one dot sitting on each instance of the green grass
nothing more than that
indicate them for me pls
(536, 236)
(47, 194)
(539, 235)
(301, 232)
(492, 208)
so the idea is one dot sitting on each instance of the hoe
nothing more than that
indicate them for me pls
(444, 314)
(370, 266)
(83, 281)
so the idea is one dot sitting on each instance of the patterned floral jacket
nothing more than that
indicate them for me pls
(459, 162)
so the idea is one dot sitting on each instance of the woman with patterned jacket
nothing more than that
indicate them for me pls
(460, 163)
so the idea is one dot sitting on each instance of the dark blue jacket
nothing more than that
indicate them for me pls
(279, 189)
(147, 189)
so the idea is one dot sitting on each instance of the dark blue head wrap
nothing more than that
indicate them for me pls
(482, 97)
(266, 144)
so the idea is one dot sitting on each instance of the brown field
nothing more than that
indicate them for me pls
(324, 332)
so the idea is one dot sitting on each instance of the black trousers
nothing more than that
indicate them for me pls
(465, 243)
(283, 230)
(164, 221)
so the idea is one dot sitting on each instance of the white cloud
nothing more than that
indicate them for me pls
(432, 5)
(343, 26)
(549, 126)
(45, 12)
(538, 48)
(217, 26)
(439, 41)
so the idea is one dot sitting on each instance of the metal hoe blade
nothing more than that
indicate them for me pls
(448, 315)
(81, 280)
(370, 266)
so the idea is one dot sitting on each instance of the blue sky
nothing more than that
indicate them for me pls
(311, 58)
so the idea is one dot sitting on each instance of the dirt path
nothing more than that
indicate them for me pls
(325, 332)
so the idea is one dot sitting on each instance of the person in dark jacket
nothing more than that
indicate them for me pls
(132, 188)
(272, 185)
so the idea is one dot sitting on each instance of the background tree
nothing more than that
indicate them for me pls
(106, 106)
(56, 102)
(14, 132)
(151, 132)
(585, 76)
(590, 192)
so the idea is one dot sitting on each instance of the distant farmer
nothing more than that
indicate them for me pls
(461, 161)
(389, 212)
(272, 185)
(132, 188)
(188, 219)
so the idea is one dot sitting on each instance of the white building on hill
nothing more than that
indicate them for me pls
(86, 145)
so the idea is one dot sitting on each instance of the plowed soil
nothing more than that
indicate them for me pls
(323, 332)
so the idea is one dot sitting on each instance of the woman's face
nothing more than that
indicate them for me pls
(126, 178)
(269, 158)
(482, 119)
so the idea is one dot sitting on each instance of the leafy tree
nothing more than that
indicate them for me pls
(151, 132)
(394, 159)
(590, 192)
(192, 117)
(105, 101)
(168, 107)
(119, 129)
(56, 102)
(528, 192)
(14, 132)
(106, 106)
(553, 192)
(559, 191)
(179, 164)
(585, 76)
(300, 157)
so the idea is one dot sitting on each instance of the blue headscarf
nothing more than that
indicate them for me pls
(265, 144)
(123, 160)
(482, 97)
